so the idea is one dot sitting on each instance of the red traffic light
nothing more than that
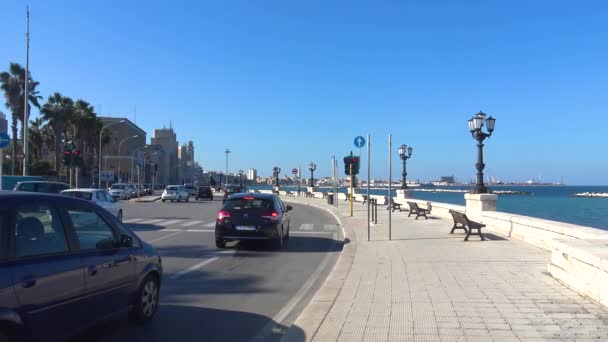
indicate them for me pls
(67, 153)
(76, 152)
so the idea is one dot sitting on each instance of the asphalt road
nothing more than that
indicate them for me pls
(248, 292)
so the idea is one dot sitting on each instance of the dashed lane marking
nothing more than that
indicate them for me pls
(151, 221)
(191, 223)
(168, 223)
(306, 226)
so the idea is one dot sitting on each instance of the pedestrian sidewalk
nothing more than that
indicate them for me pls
(428, 285)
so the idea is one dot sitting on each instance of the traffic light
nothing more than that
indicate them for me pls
(67, 157)
(351, 160)
(77, 158)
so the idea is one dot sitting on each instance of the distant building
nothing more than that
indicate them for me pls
(447, 179)
(168, 161)
(120, 154)
(252, 174)
(3, 123)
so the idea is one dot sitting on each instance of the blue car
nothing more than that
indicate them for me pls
(66, 264)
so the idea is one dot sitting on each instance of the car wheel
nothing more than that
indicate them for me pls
(119, 216)
(146, 302)
(278, 242)
(163, 200)
(220, 243)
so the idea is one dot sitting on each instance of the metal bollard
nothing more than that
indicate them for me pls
(371, 202)
(376, 209)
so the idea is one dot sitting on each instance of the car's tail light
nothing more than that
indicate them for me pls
(248, 198)
(222, 215)
(272, 216)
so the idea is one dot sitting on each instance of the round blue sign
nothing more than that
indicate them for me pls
(4, 140)
(359, 141)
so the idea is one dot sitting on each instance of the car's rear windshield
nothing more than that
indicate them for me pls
(171, 188)
(118, 186)
(79, 194)
(249, 203)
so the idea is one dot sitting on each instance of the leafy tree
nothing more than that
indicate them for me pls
(57, 112)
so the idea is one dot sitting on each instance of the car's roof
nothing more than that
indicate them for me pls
(83, 190)
(252, 194)
(40, 181)
(28, 197)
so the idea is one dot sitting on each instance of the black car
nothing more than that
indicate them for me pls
(41, 186)
(204, 191)
(67, 264)
(250, 216)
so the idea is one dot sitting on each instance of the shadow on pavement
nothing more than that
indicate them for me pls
(295, 244)
(185, 323)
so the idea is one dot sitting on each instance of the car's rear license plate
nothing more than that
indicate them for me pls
(245, 227)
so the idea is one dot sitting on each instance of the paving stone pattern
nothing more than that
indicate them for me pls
(428, 285)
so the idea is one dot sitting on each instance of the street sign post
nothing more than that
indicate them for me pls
(294, 171)
(359, 143)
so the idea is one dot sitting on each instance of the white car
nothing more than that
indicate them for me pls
(120, 191)
(175, 193)
(101, 197)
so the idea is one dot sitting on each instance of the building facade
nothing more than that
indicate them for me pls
(165, 140)
(252, 175)
(122, 154)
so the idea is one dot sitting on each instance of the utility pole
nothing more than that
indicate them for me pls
(27, 81)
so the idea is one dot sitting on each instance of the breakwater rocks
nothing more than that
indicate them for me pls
(591, 194)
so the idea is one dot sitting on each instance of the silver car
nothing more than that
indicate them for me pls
(175, 193)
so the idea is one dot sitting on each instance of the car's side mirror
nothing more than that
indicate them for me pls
(289, 208)
(126, 240)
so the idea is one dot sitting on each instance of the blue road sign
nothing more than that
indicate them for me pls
(4, 140)
(359, 141)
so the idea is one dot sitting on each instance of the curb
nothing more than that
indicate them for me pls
(310, 319)
(144, 201)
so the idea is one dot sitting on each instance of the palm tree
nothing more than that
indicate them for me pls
(57, 111)
(35, 138)
(13, 85)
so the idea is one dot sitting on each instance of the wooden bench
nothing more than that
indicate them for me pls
(348, 197)
(309, 194)
(461, 221)
(394, 206)
(415, 209)
(365, 199)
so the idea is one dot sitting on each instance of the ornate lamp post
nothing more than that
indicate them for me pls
(404, 153)
(312, 167)
(476, 123)
(275, 173)
(241, 178)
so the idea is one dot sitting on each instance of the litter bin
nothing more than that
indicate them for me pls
(330, 199)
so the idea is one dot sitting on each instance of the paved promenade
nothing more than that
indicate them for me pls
(428, 285)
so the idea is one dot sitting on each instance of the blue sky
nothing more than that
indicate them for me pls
(285, 82)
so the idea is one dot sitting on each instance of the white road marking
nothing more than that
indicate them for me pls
(201, 230)
(210, 224)
(306, 226)
(308, 233)
(164, 237)
(132, 220)
(330, 227)
(191, 223)
(170, 230)
(168, 223)
(193, 268)
(151, 221)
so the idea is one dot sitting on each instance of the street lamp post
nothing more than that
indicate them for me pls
(405, 153)
(241, 178)
(312, 167)
(227, 152)
(275, 172)
(100, 135)
(476, 123)
(119, 161)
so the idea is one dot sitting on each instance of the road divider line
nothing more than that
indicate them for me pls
(171, 222)
(191, 223)
(210, 224)
(201, 230)
(306, 226)
(193, 268)
(132, 220)
(151, 221)
(164, 237)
